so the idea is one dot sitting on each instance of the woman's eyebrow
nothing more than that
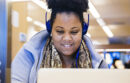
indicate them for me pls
(59, 27)
(74, 27)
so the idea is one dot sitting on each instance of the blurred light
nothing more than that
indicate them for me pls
(104, 27)
(43, 26)
(118, 50)
(100, 50)
(37, 23)
(29, 19)
(31, 32)
(107, 31)
(93, 10)
(113, 50)
(96, 42)
(40, 24)
(41, 4)
(108, 58)
(88, 35)
(101, 22)
(19, 0)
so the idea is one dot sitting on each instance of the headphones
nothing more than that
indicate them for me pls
(49, 28)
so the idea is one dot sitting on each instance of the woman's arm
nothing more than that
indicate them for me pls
(21, 67)
(103, 64)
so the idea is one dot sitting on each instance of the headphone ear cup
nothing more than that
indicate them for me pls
(48, 26)
(85, 28)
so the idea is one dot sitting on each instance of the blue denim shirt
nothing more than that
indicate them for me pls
(27, 62)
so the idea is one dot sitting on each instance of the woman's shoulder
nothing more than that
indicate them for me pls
(37, 41)
(32, 48)
(35, 45)
(97, 60)
(27, 57)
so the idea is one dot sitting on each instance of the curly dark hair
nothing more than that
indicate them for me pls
(75, 6)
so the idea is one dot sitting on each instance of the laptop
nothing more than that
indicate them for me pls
(83, 76)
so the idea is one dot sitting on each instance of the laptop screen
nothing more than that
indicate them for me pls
(83, 76)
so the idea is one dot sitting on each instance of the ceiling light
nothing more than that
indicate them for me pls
(93, 10)
(113, 50)
(29, 19)
(117, 50)
(107, 31)
(41, 4)
(19, 0)
(101, 22)
(96, 42)
(40, 24)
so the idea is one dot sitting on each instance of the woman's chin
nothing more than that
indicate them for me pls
(67, 53)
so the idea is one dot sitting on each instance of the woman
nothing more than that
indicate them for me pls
(63, 45)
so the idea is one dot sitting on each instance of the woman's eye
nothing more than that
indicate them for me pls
(74, 32)
(60, 32)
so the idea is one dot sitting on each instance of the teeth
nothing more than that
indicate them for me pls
(67, 45)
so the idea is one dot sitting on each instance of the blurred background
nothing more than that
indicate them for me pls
(109, 27)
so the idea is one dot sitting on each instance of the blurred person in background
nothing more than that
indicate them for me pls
(118, 64)
(127, 65)
(63, 45)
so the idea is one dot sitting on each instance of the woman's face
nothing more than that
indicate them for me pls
(66, 33)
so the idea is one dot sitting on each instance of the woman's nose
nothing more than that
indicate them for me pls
(67, 37)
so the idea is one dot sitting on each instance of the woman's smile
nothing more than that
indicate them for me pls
(67, 46)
